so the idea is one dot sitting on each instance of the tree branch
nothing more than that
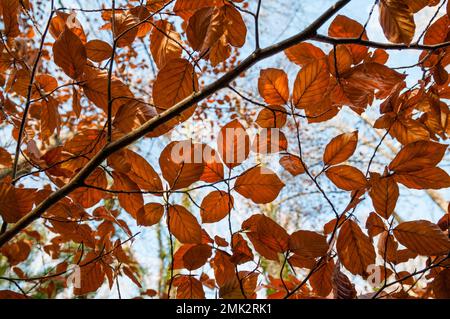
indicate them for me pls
(169, 114)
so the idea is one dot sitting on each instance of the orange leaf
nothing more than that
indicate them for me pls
(261, 185)
(346, 177)
(340, 148)
(344, 27)
(355, 249)
(307, 243)
(272, 116)
(304, 53)
(292, 164)
(98, 50)
(183, 225)
(233, 144)
(131, 202)
(15, 202)
(215, 206)
(268, 238)
(320, 280)
(213, 167)
(311, 83)
(70, 54)
(384, 194)
(418, 155)
(179, 164)
(273, 86)
(441, 285)
(375, 225)
(150, 214)
(196, 256)
(164, 43)
(397, 21)
(174, 82)
(423, 237)
(428, 178)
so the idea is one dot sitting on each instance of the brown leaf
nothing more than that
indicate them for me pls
(342, 286)
(174, 82)
(340, 148)
(259, 184)
(428, 178)
(164, 43)
(344, 27)
(308, 244)
(131, 202)
(150, 214)
(418, 155)
(272, 116)
(15, 202)
(304, 53)
(375, 225)
(70, 54)
(346, 177)
(179, 163)
(311, 83)
(397, 21)
(98, 50)
(441, 285)
(355, 249)
(10, 12)
(215, 206)
(124, 29)
(273, 86)
(196, 256)
(268, 238)
(320, 280)
(384, 194)
(183, 225)
(422, 237)
(233, 144)
(292, 164)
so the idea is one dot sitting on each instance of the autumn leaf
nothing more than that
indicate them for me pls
(397, 21)
(261, 185)
(346, 177)
(273, 86)
(320, 281)
(164, 43)
(310, 84)
(422, 237)
(268, 238)
(179, 165)
(427, 178)
(183, 225)
(233, 144)
(70, 54)
(273, 116)
(384, 194)
(150, 214)
(304, 53)
(215, 206)
(418, 155)
(307, 243)
(375, 225)
(292, 164)
(15, 202)
(340, 148)
(175, 81)
(98, 50)
(355, 249)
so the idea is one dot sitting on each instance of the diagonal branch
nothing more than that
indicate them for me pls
(169, 114)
